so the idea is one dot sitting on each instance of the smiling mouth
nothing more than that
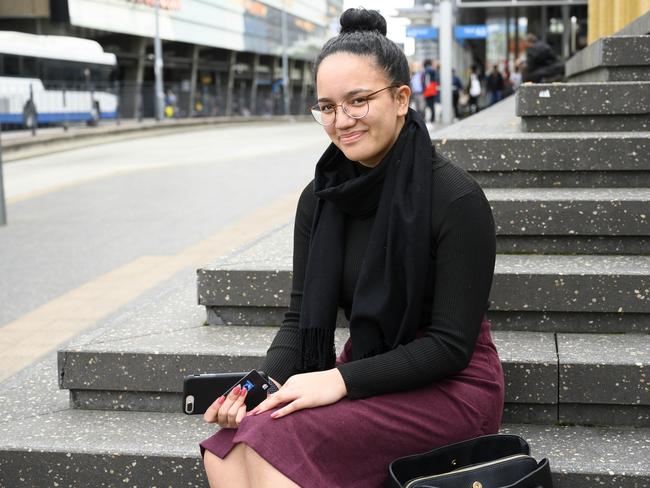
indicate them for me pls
(351, 137)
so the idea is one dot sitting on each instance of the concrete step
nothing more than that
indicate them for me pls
(611, 58)
(498, 154)
(577, 220)
(138, 361)
(584, 107)
(569, 293)
(80, 448)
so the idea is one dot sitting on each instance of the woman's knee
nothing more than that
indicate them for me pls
(229, 471)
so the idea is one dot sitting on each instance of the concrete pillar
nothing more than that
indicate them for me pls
(566, 32)
(231, 82)
(253, 102)
(445, 40)
(193, 79)
(305, 83)
(516, 14)
(139, 77)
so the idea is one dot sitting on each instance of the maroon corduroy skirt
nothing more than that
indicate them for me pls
(350, 444)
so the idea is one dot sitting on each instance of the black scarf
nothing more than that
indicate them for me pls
(388, 297)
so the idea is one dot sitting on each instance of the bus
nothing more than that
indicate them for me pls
(55, 79)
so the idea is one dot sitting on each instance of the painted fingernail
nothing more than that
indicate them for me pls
(243, 392)
(236, 390)
(221, 399)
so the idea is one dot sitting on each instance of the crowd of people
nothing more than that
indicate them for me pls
(478, 89)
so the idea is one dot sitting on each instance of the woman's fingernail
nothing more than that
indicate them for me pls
(236, 390)
(243, 392)
(274, 415)
(221, 399)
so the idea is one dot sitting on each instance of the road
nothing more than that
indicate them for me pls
(83, 220)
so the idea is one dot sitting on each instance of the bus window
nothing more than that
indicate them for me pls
(11, 65)
(29, 68)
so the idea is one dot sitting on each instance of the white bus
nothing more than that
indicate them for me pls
(54, 79)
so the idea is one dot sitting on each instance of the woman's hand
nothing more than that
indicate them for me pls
(229, 411)
(307, 390)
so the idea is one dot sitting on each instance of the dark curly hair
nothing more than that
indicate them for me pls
(363, 32)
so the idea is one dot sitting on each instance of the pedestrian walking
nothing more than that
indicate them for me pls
(494, 85)
(403, 240)
(457, 87)
(474, 89)
(417, 89)
(430, 88)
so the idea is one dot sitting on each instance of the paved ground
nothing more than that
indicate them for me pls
(91, 229)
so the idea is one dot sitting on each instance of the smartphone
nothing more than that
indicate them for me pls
(201, 390)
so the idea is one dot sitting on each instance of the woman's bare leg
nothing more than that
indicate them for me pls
(229, 471)
(262, 475)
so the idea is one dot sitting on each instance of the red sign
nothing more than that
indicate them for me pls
(164, 4)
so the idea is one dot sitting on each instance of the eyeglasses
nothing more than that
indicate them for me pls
(357, 108)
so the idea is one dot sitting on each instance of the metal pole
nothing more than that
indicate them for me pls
(285, 62)
(3, 207)
(445, 39)
(158, 66)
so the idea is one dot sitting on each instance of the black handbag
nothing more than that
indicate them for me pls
(491, 461)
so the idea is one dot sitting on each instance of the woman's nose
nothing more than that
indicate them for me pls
(342, 119)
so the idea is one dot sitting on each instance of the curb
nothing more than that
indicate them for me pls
(30, 146)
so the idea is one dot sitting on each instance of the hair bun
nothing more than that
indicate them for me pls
(360, 19)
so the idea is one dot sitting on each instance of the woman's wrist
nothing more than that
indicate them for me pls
(340, 382)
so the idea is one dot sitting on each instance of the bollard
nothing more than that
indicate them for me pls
(3, 211)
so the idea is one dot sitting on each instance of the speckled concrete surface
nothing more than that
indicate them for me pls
(604, 368)
(560, 283)
(604, 415)
(571, 211)
(583, 457)
(621, 245)
(612, 74)
(579, 123)
(529, 366)
(561, 179)
(584, 99)
(632, 51)
(578, 322)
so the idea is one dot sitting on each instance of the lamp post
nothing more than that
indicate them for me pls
(158, 66)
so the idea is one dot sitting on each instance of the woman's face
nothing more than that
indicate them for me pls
(345, 76)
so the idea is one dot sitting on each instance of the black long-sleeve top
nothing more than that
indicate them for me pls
(462, 258)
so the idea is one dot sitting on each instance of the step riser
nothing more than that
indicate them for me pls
(566, 217)
(77, 470)
(584, 100)
(632, 52)
(612, 74)
(605, 153)
(533, 321)
(511, 291)
(630, 246)
(22, 469)
(561, 179)
(594, 123)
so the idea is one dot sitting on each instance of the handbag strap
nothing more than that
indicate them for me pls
(454, 456)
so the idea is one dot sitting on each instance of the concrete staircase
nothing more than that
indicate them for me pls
(570, 307)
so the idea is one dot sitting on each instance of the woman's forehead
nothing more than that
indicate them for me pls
(342, 72)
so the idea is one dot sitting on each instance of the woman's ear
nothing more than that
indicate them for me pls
(402, 97)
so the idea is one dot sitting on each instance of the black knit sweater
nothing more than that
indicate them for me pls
(462, 253)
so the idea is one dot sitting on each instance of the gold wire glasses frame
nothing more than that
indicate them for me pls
(357, 108)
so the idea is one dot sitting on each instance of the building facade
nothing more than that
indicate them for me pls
(220, 57)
